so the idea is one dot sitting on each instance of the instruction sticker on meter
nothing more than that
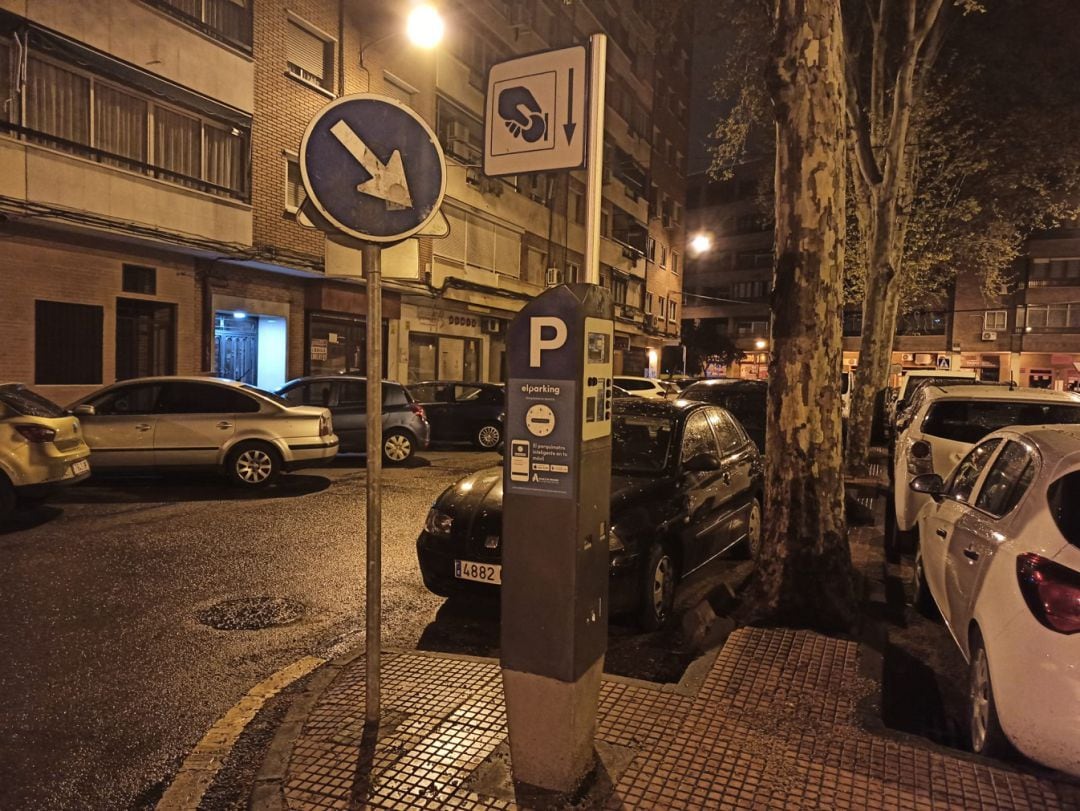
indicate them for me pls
(540, 436)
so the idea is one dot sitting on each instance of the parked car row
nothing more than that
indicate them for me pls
(986, 493)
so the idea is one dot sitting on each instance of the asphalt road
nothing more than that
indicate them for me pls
(109, 678)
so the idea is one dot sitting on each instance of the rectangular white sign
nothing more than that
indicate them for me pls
(535, 113)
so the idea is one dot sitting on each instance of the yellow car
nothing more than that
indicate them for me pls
(41, 447)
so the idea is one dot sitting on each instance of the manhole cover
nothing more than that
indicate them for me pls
(251, 613)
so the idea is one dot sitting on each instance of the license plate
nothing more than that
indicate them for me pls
(80, 467)
(480, 572)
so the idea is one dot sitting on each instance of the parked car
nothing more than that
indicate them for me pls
(41, 447)
(911, 381)
(404, 422)
(685, 489)
(170, 423)
(746, 399)
(647, 387)
(999, 559)
(463, 412)
(943, 425)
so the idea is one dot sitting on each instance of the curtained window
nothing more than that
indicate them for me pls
(58, 102)
(224, 157)
(177, 144)
(120, 123)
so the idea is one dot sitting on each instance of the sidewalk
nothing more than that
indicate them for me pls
(778, 719)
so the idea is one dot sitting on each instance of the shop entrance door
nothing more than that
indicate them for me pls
(451, 358)
(236, 347)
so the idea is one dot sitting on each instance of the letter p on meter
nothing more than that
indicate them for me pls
(538, 343)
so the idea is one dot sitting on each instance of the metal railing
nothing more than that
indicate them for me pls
(227, 21)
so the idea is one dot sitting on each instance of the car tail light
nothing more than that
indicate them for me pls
(1051, 591)
(418, 410)
(920, 458)
(326, 427)
(36, 433)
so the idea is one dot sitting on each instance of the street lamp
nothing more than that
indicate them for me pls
(760, 343)
(425, 27)
(700, 244)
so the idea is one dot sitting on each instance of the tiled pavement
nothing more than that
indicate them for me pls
(775, 724)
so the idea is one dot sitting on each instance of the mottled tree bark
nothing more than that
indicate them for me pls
(804, 573)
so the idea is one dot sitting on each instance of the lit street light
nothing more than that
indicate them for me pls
(700, 243)
(425, 27)
(760, 343)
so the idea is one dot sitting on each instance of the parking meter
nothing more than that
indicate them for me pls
(557, 489)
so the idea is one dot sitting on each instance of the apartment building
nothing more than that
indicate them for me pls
(149, 189)
(1028, 331)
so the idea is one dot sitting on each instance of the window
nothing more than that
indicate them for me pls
(67, 343)
(674, 262)
(1007, 481)
(316, 393)
(671, 309)
(618, 290)
(460, 133)
(294, 184)
(398, 89)
(729, 435)
(145, 338)
(140, 398)
(228, 20)
(1063, 498)
(139, 279)
(663, 256)
(204, 398)
(648, 302)
(922, 322)
(1053, 317)
(352, 394)
(967, 472)
(697, 437)
(7, 98)
(971, 420)
(995, 320)
(576, 205)
(70, 110)
(751, 329)
(309, 56)
(651, 249)
(662, 309)
(479, 242)
(1054, 272)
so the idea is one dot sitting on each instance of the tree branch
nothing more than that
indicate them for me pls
(858, 124)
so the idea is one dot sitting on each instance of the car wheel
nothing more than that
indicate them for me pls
(752, 544)
(987, 736)
(7, 499)
(253, 464)
(658, 592)
(489, 436)
(922, 599)
(398, 447)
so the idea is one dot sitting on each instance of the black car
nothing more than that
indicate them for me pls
(746, 399)
(685, 488)
(463, 412)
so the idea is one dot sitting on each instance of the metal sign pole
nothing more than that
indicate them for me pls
(371, 254)
(594, 163)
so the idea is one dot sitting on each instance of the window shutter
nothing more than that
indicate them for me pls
(306, 51)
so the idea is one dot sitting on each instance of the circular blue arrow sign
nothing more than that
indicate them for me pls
(373, 168)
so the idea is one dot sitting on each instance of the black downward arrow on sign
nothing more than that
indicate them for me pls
(569, 126)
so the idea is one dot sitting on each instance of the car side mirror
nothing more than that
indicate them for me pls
(929, 484)
(702, 462)
(84, 410)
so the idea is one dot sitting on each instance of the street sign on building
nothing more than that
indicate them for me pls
(535, 113)
(372, 168)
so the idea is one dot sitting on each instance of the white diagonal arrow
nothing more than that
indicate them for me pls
(387, 179)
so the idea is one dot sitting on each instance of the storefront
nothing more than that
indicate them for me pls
(444, 343)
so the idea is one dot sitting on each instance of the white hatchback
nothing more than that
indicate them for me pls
(999, 558)
(647, 387)
(943, 423)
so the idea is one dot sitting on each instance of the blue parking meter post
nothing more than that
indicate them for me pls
(374, 175)
(557, 489)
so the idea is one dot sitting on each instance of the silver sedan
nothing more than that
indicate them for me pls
(172, 423)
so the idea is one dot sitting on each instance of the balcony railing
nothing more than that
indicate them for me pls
(227, 21)
(111, 159)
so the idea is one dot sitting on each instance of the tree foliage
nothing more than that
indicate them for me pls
(708, 344)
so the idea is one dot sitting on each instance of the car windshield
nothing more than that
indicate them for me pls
(27, 403)
(269, 395)
(640, 444)
(971, 420)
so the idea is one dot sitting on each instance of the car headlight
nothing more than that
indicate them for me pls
(614, 543)
(438, 523)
